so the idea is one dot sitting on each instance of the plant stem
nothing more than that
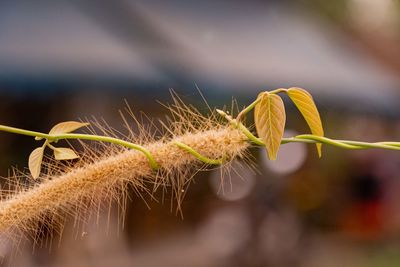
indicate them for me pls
(23, 132)
(255, 102)
(198, 155)
(53, 138)
(305, 138)
(248, 109)
(309, 138)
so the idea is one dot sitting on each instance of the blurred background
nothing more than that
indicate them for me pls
(64, 60)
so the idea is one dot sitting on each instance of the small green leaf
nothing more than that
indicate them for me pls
(270, 119)
(67, 127)
(35, 161)
(63, 153)
(305, 103)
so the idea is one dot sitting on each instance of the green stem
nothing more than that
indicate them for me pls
(305, 138)
(309, 138)
(255, 102)
(325, 140)
(248, 109)
(235, 123)
(198, 155)
(249, 135)
(51, 146)
(53, 138)
(366, 145)
(23, 132)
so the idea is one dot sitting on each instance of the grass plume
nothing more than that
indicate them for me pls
(105, 171)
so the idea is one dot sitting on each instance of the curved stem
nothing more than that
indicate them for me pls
(52, 138)
(198, 155)
(325, 140)
(51, 146)
(309, 138)
(113, 140)
(23, 132)
(305, 138)
(366, 145)
(255, 102)
(247, 109)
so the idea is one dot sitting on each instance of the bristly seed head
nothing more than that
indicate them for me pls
(106, 171)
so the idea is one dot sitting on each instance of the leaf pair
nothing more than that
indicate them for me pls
(270, 117)
(60, 153)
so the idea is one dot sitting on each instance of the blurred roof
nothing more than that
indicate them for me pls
(231, 44)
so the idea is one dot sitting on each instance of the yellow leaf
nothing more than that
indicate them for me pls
(63, 153)
(270, 118)
(305, 103)
(67, 127)
(35, 161)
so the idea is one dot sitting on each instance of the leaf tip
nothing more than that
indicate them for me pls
(272, 157)
(64, 153)
(319, 150)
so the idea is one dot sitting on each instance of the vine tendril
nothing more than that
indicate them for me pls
(56, 137)
(198, 155)
(236, 123)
